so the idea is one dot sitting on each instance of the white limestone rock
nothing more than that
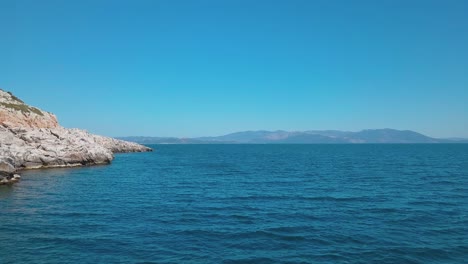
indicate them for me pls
(31, 138)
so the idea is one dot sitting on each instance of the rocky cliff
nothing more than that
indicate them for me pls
(15, 113)
(31, 138)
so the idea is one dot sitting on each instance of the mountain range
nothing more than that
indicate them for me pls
(303, 137)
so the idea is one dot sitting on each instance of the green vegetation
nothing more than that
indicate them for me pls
(23, 108)
(35, 110)
(15, 98)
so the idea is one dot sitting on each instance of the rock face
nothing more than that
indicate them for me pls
(16, 113)
(31, 138)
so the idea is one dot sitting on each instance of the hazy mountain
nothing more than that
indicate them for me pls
(166, 140)
(303, 137)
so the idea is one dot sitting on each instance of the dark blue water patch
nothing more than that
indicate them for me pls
(245, 204)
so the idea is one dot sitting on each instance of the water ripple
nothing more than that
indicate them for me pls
(245, 204)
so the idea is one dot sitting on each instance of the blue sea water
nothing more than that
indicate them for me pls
(245, 204)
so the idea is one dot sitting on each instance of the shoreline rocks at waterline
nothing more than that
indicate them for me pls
(31, 138)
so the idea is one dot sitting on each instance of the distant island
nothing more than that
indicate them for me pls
(369, 136)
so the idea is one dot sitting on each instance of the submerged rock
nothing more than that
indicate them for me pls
(31, 138)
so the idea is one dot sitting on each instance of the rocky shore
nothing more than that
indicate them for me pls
(31, 138)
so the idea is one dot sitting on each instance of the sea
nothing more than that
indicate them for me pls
(350, 203)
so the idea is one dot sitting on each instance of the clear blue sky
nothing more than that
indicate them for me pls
(193, 68)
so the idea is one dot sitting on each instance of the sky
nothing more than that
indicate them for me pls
(206, 68)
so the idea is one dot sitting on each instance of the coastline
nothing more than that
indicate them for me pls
(31, 138)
